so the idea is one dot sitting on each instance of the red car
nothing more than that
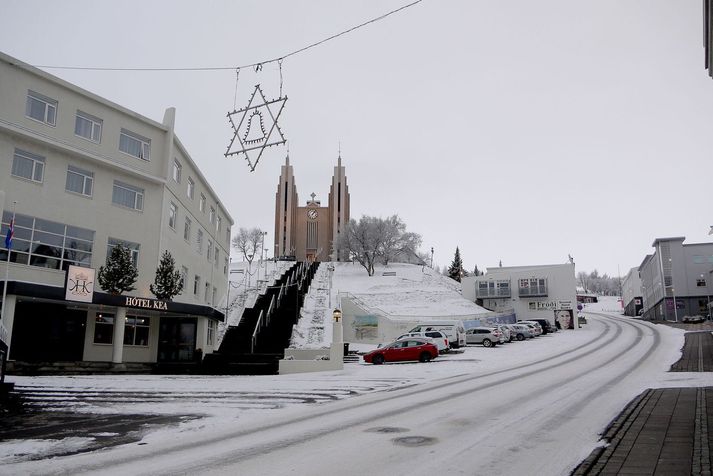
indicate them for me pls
(409, 348)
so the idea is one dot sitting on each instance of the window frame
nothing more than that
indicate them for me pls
(49, 103)
(134, 249)
(86, 175)
(202, 203)
(96, 125)
(37, 160)
(139, 192)
(177, 170)
(145, 142)
(187, 229)
(191, 188)
(172, 215)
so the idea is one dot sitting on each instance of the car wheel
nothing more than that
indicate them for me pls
(425, 357)
(377, 360)
(487, 343)
(520, 337)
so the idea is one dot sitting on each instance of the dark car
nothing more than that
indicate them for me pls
(410, 348)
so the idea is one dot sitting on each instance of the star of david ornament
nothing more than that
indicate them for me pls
(257, 127)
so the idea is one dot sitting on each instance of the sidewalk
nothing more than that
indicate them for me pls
(662, 431)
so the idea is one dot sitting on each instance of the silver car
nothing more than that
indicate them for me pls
(488, 336)
(521, 331)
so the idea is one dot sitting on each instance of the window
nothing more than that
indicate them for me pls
(207, 292)
(184, 277)
(201, 204)
(172, 215)
(88, 127)
(134, 144)
(128, 196)
(533, 287)
(219, 224)
(133, 249)
(28, 166)
(210, 250)
(199, 241)
(191, 188)
(79, 181)
(41, 108)
(104, 329)
(196, 285)
(701, 283)
(215, 295)
(187, 230)
(176, 171)
(212, 327)
(227, 235)
(225, 266)
(216, 255)
(136, 331)
(211, 216)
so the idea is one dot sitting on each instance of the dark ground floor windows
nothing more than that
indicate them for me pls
(44, 332)
(177, 340)
(136, 330)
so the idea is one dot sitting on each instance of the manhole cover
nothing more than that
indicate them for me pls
(387, 429)
(415, 441)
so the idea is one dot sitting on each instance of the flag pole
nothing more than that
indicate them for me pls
(7, 263)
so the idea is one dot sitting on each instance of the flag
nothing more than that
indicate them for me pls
(10, 234)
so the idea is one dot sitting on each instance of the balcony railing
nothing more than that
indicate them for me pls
(533, 291)
(492, 293)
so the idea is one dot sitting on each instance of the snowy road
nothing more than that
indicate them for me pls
(538, 415)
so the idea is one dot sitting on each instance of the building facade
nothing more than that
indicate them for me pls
(82, 174)
(675, 279)
(310, 232)
(631, 293)
(532, 292)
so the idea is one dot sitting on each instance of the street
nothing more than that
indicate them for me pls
(540, 416)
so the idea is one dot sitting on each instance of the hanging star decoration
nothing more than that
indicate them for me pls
(257, 127)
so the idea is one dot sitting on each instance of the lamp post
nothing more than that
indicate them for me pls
(431, 257)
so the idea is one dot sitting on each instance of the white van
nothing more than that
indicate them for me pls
(453, 329)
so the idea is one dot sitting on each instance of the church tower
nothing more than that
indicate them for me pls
(338, 208)
(309, 232)
(285, 209)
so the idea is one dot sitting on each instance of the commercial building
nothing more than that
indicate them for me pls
(83, 174)
(676, 273)
(532, 292)
(631, 293)
(310, 232)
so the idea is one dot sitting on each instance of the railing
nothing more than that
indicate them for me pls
(254, 336)
(492, 293)
(533, 291)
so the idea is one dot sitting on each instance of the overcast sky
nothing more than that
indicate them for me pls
(519, 131)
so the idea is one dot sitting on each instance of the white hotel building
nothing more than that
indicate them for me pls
(84, 174)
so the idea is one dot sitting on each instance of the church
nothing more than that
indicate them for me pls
(310, 232)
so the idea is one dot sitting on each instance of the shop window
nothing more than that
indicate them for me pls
(701, 283)
(212, 327)
(104, 329)
(136, 331)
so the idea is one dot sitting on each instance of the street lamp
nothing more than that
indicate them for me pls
(431, 257)
(337, 315)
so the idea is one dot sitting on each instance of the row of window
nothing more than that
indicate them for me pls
(213, 252)
(213, 217)
(137, 330)
(210, 293)
(501, 288)
(44, 109)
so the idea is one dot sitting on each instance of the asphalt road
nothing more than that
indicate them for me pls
(542, 417)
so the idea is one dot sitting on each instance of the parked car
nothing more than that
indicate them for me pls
(536, 329)
(411, 348)
(521, 331)
(694, 319)
(453, 329)
(505, 331)
(488, 336)
(439, 338)
(547, 326)
(538, 326)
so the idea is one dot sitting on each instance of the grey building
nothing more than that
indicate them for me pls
(631, 293)
(83, 174)
(675, 279)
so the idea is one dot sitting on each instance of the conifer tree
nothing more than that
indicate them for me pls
(455, 270)
(168, 281)
(119, 274)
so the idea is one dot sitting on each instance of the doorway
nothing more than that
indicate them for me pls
(177, 339)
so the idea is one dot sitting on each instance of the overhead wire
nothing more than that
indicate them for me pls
(257, 65)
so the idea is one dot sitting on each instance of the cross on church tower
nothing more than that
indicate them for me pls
(313, 195)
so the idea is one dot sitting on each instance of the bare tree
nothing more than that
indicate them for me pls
(248, 242)
(375, 240)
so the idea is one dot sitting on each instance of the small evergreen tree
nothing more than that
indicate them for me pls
(455, 270)
(119, 274)
(168, 281)
(477, 272)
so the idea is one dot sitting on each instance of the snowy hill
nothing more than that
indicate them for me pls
(398, 292)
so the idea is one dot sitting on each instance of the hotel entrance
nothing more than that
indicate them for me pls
(177, 339)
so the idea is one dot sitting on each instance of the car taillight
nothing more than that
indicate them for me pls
(446, 342)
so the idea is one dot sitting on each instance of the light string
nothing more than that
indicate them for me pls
(258, 65)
